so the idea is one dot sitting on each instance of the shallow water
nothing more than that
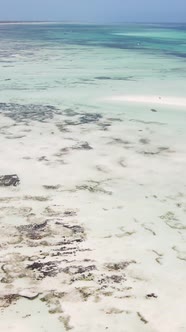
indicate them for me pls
(96, 227)
(76, 64)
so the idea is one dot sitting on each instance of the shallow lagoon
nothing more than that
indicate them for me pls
(96, 227)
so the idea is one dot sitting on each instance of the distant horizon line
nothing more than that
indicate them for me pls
(85, 22)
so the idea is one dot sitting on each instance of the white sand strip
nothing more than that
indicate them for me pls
(173, 101)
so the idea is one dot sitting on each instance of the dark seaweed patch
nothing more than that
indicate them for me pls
(144, 140)
(21, 113)
(82, 146)
(152, 295)
(70, 112)
(33, 232)
(142, 318)
(79, 269)
(90, 117)
(115, 78)
(48, 269)
(9, 180)
(119, 266)
(153, 110)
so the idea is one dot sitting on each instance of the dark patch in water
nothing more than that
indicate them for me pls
(48, 269)
(144, 140)
(103, 78)
(159, 150)
(51, 187)
(79, 269)
(9, 180)
(178, 54)
(148, 122)
(90, 117)
(31, 112)
(82, 146)
(34, 231)
(70, 112)
(62, 128)
(118, 266)
(153, 110)
(115, 78)
(152, 295)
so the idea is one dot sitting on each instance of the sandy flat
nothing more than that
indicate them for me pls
(159, 100)
(95, 230)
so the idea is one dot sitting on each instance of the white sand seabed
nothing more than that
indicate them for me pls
(127, 194)
(165, 100)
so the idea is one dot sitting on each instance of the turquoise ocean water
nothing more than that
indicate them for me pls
(81, 65)
(75, 64)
